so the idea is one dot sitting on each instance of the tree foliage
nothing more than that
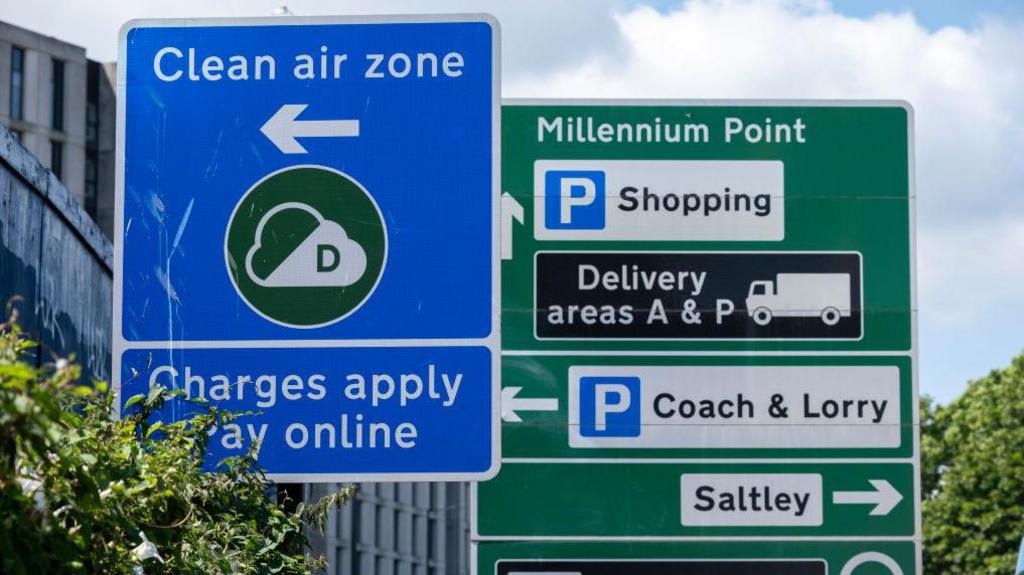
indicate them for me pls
(79, 488)
(973, 476)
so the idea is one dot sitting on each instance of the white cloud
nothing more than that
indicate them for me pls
(966, 84)
(327, 257)
(971, 274)
(538, 35)
(966, 87)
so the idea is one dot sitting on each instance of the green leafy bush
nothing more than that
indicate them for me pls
(972, 476)
(78, 488)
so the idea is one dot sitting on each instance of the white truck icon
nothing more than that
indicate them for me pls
(800, 295)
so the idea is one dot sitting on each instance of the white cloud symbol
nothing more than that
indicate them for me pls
(326, 258)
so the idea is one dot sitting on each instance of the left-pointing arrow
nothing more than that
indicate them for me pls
(510, 404)
(884, 497)
(283, 128)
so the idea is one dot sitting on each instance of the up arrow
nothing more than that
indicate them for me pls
(510, 404)
(884, 497)
(510, 210)
(283, 128)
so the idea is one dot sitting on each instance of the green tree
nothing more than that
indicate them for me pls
(78, 489)
(973, 476)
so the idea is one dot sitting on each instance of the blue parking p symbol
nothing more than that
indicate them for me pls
(574, 200)
(609, 406)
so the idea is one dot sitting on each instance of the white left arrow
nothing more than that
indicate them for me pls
(510, 404)
(510, 210)
(884, 497)
(283, 128)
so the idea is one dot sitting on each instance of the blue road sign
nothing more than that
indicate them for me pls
(307, 210)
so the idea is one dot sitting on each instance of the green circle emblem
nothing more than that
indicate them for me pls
(305, 246)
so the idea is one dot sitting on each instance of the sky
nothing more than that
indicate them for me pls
(957, 61)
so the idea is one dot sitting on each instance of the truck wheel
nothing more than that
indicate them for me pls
(762, 316)
(830, 316)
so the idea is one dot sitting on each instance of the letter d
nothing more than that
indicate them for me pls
(322, 250)
(602, 405)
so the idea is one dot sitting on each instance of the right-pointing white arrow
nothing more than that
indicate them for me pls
(884, 497)
(510, 404)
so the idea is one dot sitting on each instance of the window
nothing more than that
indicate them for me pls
(58, 95)
(90, 186)
(57, 158)
(92, 124)
(92, 134)
(92, 104)
(17, 83)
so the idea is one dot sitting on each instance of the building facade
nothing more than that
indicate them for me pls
(396, 529)
(60, 105)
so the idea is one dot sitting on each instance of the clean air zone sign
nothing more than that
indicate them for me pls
(307, 224)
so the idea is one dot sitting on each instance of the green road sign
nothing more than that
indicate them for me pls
(682, 499)
(708, 317)
(833, 180)
(306, 246)
(702, 558)
(748, 406)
